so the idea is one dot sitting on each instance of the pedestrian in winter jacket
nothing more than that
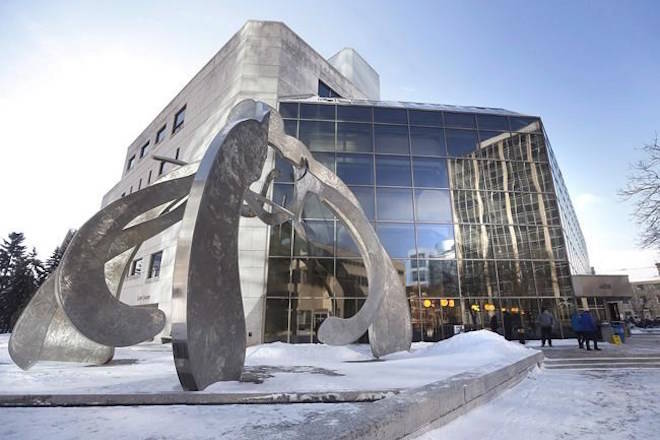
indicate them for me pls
(589, 328)
(546, 321)
(576, 323)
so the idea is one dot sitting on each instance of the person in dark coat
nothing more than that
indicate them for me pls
(508, 325)
(589, 328)
(546, 321)
(493, 323)
(576, 323)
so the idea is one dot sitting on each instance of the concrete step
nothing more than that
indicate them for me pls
(602, 362)
(631, 366)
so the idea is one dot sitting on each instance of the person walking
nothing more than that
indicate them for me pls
(508, 325)
(576, 323)
(589, 328)
(493, 323)
(546, 321)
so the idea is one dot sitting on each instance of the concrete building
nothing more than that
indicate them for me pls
(608, 296)
(469, 201)
(646, 298)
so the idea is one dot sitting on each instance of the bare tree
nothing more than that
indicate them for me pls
(643, 189)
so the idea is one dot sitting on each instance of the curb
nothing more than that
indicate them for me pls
(413, 412)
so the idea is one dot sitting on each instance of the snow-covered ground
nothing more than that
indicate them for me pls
(556, 404)
(149, 368)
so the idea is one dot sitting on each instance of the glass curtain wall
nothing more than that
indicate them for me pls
(463, 202)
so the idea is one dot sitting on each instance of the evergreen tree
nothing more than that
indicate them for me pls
(21, 273)
(55, 258)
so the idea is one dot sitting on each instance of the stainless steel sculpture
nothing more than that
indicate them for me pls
(84, 319)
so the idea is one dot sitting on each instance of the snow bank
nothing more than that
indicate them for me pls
(279, 367)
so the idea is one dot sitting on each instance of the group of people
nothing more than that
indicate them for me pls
(585, 328)
(583, 325)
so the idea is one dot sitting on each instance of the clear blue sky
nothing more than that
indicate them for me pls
(591, 69)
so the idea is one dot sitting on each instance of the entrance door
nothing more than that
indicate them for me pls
(613, 309)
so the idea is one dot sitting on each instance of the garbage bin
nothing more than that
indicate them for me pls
(606, 331)
(617, 328)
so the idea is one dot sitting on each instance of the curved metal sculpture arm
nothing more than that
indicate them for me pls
(80, 286)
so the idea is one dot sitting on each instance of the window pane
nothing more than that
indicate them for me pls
(392, 171)
(320, 239)
(477, 278)
(461, 142)
(355, 169)
(346, 246)
(441, 279)
(430, 173)
(353, 113)
(433, 205)
(492, 122)
(390, 115)
(291, 127)
(318, 136)
(313, 208)
(317, 111)
(391, 139)
(280, 240)
(459, 120)
(398, 239)
(278, 277)
(428, 141)
(284, 168)
(289, 109)
(354, 137)
(437, 241)
(394, 204)
(283, 194)
(277, 318)
(491, 138)
(365, 196)
(526, 124)
(352, 278)
(422, 117)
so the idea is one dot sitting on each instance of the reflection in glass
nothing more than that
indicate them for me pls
(354, 137)
(346, 246)
(353, 113)
(317, 111)
(394, 204)
(459, 142)
(280, 239)
(289, 109)
(424, 117)
(441, 279)
(430, 173)
(492, 122)
(320, 239)
(436, 241)
(459, 120)
(432, 205)
(397, 238)
(279, 272)
(428, 141)
(365, 196)
(355, 169)
(318, 135)
(276, 320)
(283, 194)
(393, 171)
(291, 127)
(352, 278)
(391, 139)
(390, 115)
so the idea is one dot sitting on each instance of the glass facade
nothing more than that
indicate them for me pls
(469, 203)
